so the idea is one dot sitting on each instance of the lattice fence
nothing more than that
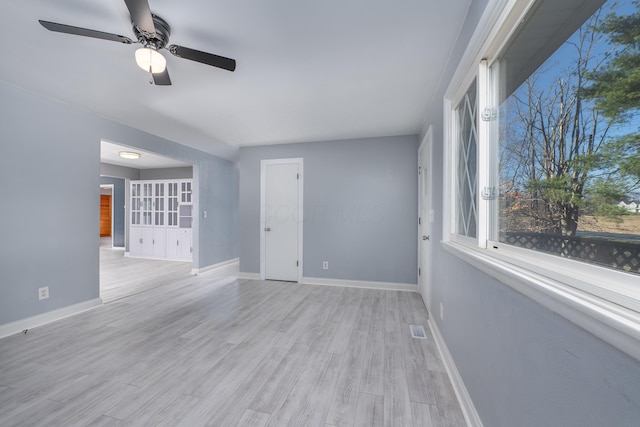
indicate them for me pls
(619, 255)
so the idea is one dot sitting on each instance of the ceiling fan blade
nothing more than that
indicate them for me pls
(162, 79)
(68, 29)
(141, 16)
(203, 57)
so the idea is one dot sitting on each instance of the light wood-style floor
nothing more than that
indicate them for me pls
(192, 351)
(121, 277)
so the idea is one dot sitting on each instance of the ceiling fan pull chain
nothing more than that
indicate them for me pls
(150, 69)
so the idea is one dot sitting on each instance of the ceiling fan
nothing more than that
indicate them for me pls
(153, 33)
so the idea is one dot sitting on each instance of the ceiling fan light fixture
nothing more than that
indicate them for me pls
(150, 60)
(131, 155)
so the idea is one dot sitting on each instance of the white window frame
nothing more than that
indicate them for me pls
(461, 103)
(603, 301)
(451, 131)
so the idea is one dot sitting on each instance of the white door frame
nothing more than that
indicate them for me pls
(425, 154)
(300, 211)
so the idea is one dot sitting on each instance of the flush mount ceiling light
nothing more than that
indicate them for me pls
(129, 155)
(150, 60)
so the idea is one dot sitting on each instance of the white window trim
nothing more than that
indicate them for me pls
(484, 162)
(569, 288)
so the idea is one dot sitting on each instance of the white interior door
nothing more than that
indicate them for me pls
(426, 218)
(281, 214)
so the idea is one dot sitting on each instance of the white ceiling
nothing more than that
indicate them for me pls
(109, 153)
(306, 71)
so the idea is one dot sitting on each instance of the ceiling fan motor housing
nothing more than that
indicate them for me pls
(159, 39)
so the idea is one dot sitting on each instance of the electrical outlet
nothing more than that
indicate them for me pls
(325, 265)
(441, 311)
(43, 293)
(204, 214)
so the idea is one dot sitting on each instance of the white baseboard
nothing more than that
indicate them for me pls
(249, 276)
(468, 409)
(387, 286)
(48, 317)
(225, 268)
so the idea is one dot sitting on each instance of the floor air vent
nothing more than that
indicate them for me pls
(417, 331)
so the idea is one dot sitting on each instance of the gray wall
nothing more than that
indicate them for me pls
(218, 186)
(118, 208)
(360, 208)
(167, 173)
(50, 216)
(522, 364)
(117, 171)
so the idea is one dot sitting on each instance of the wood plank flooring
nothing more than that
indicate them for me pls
(191, 351)
(121, 277)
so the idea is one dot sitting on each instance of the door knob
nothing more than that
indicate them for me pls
(267, 229)
(425, 237)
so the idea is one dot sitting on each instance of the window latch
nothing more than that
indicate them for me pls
(489, 114)
(489, 193)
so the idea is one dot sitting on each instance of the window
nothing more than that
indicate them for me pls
(467, 170)
(544, 177)
(564, 181)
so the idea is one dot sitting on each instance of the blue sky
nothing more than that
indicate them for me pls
(558, 64)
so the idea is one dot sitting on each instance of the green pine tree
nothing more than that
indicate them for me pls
(615, 88)
(616, 85)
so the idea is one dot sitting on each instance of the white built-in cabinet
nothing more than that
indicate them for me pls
(161, 214)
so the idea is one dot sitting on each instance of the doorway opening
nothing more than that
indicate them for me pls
(426, 217)
(106, 213)
(152, 206)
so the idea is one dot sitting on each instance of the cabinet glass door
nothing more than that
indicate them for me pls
(172, 204)
(135, 203)
(158, 204)
(185, 191)
(147, 204)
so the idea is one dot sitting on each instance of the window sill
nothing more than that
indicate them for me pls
(610, 322)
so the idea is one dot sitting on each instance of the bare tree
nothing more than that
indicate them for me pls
(555, 136)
